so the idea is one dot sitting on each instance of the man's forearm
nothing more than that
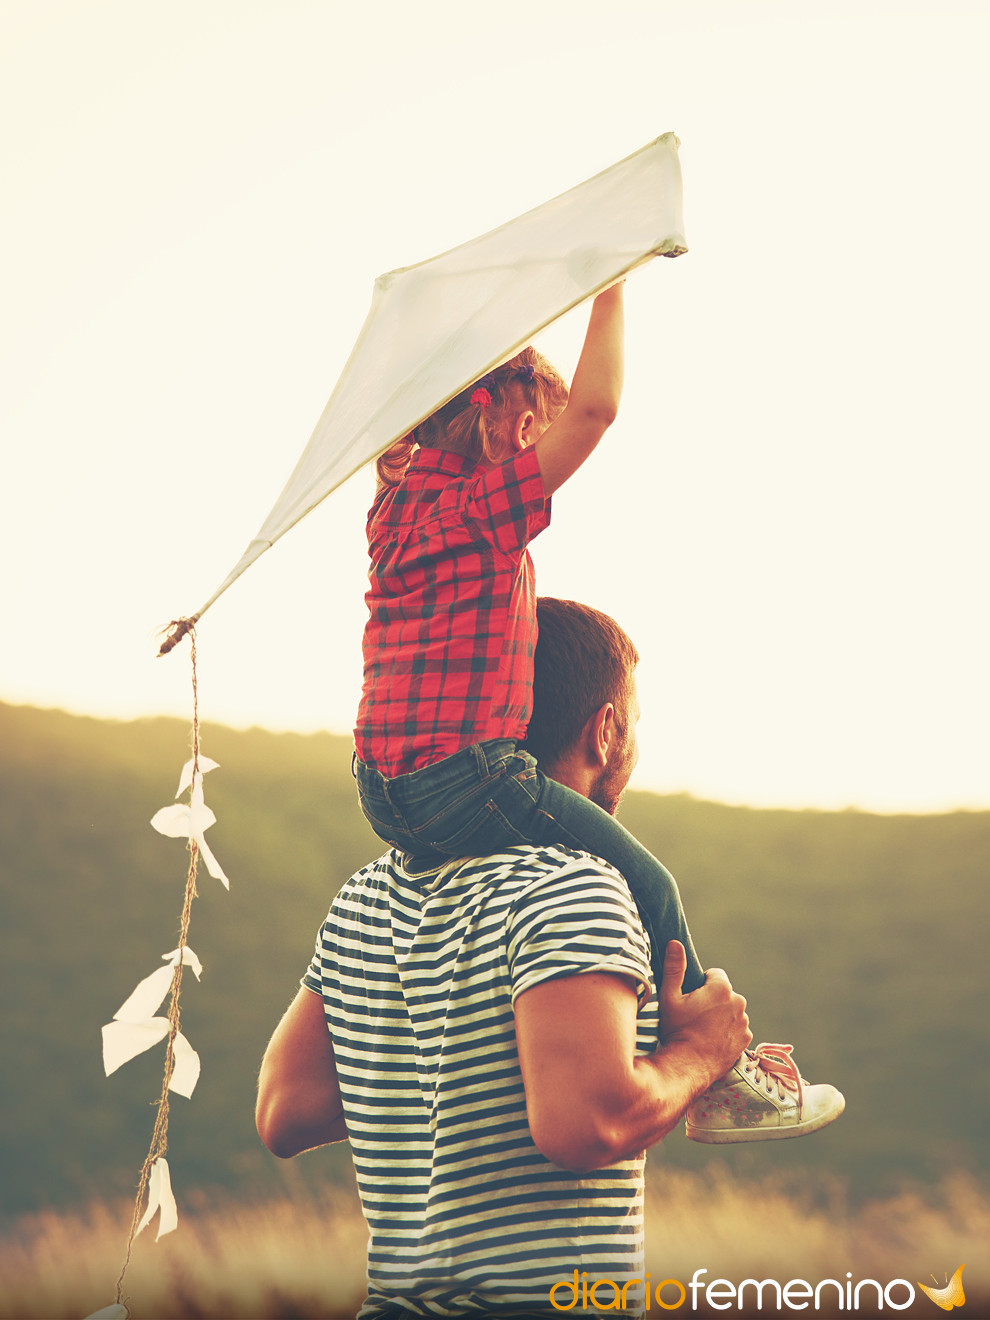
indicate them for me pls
(627, 1113)
(654, 1099)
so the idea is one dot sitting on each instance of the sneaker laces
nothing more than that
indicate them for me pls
(775, 1068)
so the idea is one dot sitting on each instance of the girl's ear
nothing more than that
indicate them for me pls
(524, 431)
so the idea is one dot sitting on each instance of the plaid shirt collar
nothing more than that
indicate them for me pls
(445, 461)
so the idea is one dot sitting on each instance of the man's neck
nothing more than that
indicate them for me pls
(572, 774)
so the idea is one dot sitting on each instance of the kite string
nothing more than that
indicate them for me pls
(159, 1136)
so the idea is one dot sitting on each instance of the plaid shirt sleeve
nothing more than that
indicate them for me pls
(510, 503)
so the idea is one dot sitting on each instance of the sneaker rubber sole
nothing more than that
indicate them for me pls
(726, 1136)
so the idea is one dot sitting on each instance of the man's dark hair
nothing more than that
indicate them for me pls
(583, 660)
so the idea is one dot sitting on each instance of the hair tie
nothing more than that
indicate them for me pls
(526, 372)
(481, 398)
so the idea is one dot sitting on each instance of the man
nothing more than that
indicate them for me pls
(492, 1046)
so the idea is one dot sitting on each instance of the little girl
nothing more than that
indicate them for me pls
(448, 660)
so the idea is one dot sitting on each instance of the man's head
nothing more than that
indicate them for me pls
(583, 728)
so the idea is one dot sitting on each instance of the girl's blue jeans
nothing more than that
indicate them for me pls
(491, 796)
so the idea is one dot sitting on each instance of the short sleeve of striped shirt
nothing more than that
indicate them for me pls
(311, 979)
(577, 918)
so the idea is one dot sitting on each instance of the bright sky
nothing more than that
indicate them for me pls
(789, 517)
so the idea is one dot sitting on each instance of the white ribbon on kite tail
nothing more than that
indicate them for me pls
(136, 1026)
(435, 327)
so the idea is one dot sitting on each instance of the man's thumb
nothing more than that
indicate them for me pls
(674, 967)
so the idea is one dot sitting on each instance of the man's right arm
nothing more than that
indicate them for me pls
(299, 1105)
(591, 1100)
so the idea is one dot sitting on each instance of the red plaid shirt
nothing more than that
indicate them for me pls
(448, 647)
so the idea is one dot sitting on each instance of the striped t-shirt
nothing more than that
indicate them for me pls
(418, 977)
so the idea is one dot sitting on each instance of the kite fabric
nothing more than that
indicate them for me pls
(435, 327)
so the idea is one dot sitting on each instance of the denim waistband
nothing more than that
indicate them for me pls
(476, 760)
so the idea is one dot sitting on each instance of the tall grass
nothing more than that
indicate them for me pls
(739, 1230)
(304, 1258)
(300, 1258)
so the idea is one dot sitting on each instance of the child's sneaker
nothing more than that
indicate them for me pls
(763, 1097)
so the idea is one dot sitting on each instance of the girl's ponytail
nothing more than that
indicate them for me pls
(391, 466)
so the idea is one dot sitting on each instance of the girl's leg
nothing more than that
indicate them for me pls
(490, 796)
(547, 812)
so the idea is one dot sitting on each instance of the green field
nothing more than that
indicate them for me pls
(857, 937)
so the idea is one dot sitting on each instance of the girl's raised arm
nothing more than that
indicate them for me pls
(594, 395)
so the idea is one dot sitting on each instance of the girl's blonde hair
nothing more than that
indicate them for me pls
(475, 422)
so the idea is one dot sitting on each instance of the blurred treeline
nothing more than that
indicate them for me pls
(857, 937)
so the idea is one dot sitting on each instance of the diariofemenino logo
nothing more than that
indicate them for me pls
(949, 1296)
(865, 1295)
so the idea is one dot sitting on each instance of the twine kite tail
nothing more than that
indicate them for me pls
(175, 632)
(159, 1139)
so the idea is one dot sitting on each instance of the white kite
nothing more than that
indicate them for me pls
(435, 327)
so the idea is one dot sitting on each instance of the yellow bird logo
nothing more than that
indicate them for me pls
(949, 1296)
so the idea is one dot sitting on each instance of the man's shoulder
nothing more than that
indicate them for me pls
(524, 867)
(526, 863)
(531, 865)
(521, 880)
(551, 911)
(556, 877)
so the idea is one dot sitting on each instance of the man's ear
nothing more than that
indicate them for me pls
(599, 733)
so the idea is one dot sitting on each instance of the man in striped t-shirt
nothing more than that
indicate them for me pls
(492, 1046)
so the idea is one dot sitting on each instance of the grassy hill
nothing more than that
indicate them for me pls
(857, 937)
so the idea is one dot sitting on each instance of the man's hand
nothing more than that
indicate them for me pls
(710, 1022)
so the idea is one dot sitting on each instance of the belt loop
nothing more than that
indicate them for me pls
(354, 763)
